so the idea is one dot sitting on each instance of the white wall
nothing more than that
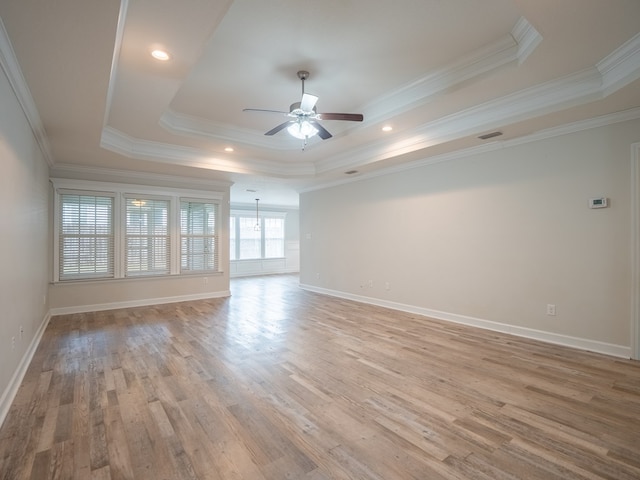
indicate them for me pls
(489, 239)
(291, 261)
(24, 205)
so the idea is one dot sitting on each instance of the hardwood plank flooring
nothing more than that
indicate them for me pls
(275, 383)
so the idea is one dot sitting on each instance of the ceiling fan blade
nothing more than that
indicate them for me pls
(350, 117)
(275, 130)
(323, 133)
(308, 102)
(264, 111)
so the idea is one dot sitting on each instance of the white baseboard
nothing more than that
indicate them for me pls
(138, 303)
(278, 271)
(11, 391)
(548, 337)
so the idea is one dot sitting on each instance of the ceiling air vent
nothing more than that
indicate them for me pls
(487, 136)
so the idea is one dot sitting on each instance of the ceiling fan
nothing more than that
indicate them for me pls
(304, 116)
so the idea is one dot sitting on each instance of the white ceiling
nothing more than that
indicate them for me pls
(441, 72)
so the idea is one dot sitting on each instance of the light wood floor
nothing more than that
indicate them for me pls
(279, 383)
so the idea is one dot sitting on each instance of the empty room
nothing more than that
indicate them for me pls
(320, 240)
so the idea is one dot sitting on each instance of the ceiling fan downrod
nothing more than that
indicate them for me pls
(303, 75)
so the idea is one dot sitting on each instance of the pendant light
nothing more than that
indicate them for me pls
(257, 226)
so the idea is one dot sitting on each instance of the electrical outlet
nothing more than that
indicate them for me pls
(387, 286)
(205, 280)
(21, 332)
(370, 283)
(551, 309)
(13, 342)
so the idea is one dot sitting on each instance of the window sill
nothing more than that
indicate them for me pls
(138, 278)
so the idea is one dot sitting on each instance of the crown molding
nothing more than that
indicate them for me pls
(572, 90)
(621, 67)
(612, 73)
(596, 122)
(187, 125)
(12, 70)
(131, 147)
(113, 72)
(111, 175)
(527, 38)
(513, 47)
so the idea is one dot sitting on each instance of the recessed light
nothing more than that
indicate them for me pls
(160, 55)
(228, 149)
(387, 128)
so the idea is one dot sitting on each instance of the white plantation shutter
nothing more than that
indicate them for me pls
(86, 238)
(198, 236)
(147, 240)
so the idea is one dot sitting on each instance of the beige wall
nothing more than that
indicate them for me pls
(24, 205)
(489, 239)
(109, 294)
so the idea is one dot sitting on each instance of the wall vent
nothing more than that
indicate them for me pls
(487, 136)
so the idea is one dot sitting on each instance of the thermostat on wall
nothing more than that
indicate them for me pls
(600, 202)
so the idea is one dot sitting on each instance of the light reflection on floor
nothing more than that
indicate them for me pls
(259, 312)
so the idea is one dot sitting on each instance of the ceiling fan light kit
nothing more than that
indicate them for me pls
(302, 130)
(304, 123)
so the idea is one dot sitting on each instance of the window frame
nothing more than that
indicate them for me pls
(215, 236)
(262, 215)
(120, 192)
(125, 235)
(57, 234)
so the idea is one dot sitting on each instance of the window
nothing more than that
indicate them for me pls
(146, 237)
(198, 250)
(115, 231)
(250, 243)
(273, 237)
(250, 238)
(86, 240)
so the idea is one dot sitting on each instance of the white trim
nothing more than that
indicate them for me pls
(9, 394)
(263, 271)
(514, 47)
(123, 144)
(548, 337)
(635, 251)
(613, 72)
(527, 37)
(596, 122)
(86, 173)
(620, 67)
(182, 124)
(145, 302)
(9, 64)
(121, 191)
(262, 213)
(115, 59)
(95, 187)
